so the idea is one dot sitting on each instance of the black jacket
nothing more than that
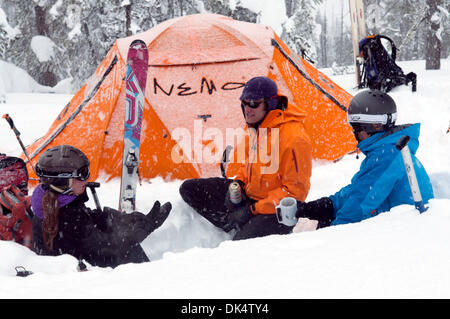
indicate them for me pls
(105, 238)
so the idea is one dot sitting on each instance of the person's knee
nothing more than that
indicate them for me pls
(186, 189)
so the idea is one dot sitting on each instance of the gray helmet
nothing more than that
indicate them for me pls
(58, 165)
(372, 111)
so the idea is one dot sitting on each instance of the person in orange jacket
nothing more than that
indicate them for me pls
(276, 162)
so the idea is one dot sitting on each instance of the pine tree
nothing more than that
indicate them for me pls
(30, 19)
(300, 30)
(434, 27)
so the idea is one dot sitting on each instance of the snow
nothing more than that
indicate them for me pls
(43, 47)
(270, 12)
(10, 31)
(55, 8)
(15, 80)
(399, 254)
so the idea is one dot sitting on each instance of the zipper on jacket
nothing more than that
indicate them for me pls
(295, 160)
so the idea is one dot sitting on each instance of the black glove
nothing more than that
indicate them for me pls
(101, 220)
(239, 217)
(320, 210)
(158, 215)
(134, 227)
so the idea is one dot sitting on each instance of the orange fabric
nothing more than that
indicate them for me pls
(288, 171)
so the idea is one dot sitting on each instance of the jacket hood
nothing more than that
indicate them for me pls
(391, 137)
(277, 117)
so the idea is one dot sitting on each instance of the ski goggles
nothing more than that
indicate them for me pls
(252, 104)
(358, 127)
(81, 174)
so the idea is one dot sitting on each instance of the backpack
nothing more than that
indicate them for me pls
(15, 206)
(379, 69)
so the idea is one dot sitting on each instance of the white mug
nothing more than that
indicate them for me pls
(286, 211)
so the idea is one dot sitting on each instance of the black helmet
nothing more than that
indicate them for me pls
(59, 165)
(372, 111)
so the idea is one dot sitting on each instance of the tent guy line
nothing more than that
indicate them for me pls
(74, 115)
(316, 85)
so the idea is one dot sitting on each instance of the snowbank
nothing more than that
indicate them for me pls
(15, 80)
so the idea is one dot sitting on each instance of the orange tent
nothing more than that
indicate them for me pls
(198, 66)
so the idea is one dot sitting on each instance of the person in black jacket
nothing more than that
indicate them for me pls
(63, 224)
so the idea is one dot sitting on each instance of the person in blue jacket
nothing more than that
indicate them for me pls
(381, 182)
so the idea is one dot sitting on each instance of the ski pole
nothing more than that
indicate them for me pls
(17, 133)
(402, 145)
(92, 186)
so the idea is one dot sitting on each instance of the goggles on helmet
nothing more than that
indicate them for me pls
(81, 174)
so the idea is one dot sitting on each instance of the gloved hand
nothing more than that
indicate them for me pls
(134, 227)
(239, 217)
(101, 219)
(158, 215)
(320, 210)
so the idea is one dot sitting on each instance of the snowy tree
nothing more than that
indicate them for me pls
(7, 34)
(323, 46)
(29, 19)
(335, 37)
(300, 30)
(418, 27)
(69, 38)
(230, 9)
(434, 27)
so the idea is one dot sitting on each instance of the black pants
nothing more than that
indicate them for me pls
(207, 197)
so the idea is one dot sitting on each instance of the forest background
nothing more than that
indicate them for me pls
(55, 40)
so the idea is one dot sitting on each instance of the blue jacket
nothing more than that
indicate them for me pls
(381, 182)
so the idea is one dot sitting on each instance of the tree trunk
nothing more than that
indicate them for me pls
(323, 41)
(433, 46)
(128, 19)
(41, 26)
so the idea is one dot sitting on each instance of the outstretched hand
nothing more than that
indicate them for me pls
(158, 214)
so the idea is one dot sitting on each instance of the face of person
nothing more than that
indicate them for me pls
(358, 131)
(78, 186)
(254, 115)
(362, 135)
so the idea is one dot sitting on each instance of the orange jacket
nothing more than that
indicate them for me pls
(278, 162)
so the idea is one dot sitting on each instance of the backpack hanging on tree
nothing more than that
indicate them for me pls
(15, 211)
(379, 69)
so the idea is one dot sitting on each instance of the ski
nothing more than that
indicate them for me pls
(358, 33)
(136, 78)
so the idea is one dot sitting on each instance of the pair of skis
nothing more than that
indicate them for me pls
(358, 33)
(136, 78)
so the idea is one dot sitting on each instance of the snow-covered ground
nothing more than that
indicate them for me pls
(399, 254)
